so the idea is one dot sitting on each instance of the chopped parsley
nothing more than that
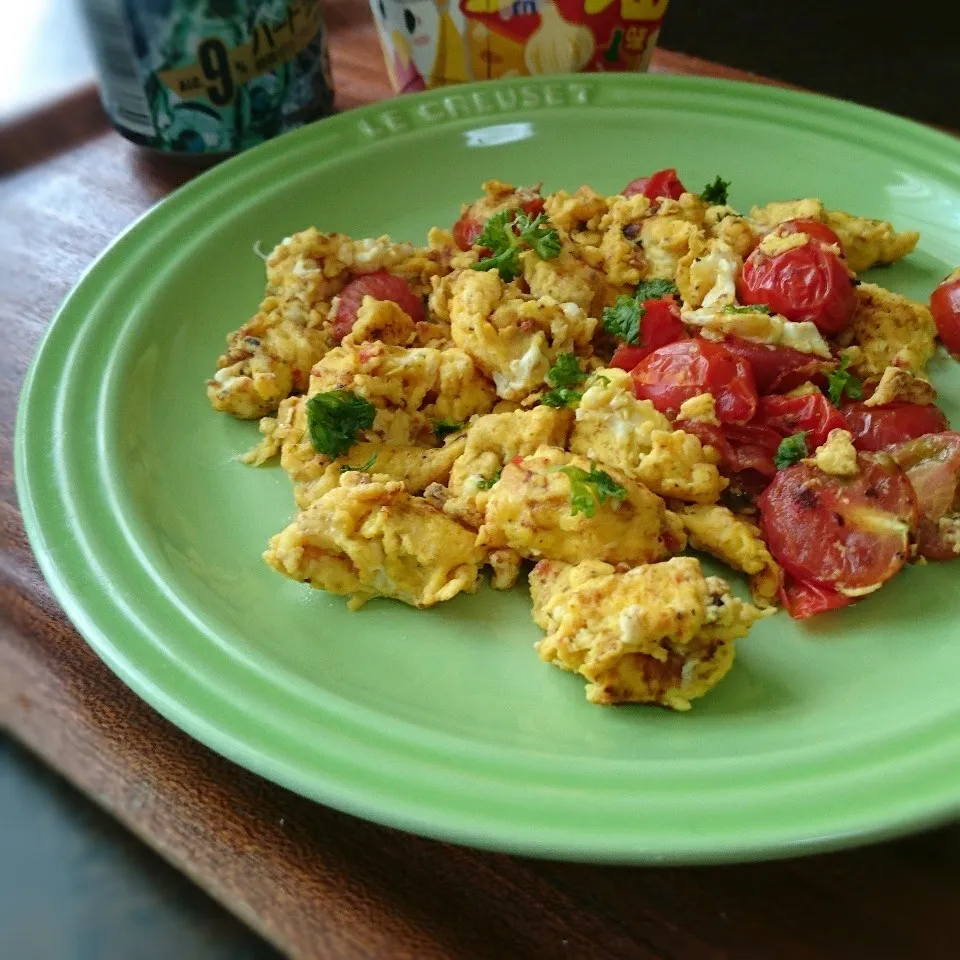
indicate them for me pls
(443, 428)
(363, 468)
(563, 376)
(841, 381)
(505, 234)
(791, 450)
(623, 320)
(587, 489)
(485, 483)
(715, 192)
(654, 290)
(334, 419)
(751, 308)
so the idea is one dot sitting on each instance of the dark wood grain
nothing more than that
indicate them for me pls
(319, 883)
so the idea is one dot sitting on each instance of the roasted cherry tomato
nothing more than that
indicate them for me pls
(876, 428)
(679, 371)
(932, 465)
(812, 228)
(945, 307)
(802, 599)
(802, 283)
(847, 533)
(779, 369)
(660, 325)
(466, 230)
(380, 286)
(659, 185)
(811, 413)
(753, 447)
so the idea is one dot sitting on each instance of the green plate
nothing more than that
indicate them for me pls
(445, 722)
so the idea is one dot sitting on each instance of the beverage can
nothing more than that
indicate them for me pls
(209, 77)
(429, 43)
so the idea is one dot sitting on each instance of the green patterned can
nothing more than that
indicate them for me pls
(209, 77)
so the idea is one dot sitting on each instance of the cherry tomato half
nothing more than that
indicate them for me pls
(847, 533)
(932, 465)
(659, 325)
(812, 228)
(945, 307)
(802, 283)
(811, 413)
(380, 286)
(679, 371)
(876, 428)
(802, 599)
(466, 230)
(657, 186)
(778, 369)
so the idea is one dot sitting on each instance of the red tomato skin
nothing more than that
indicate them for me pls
(876, 428)
(466, 230)
(753, 447)
(380, 285)
(803, 599)
(681, 370)
(660, 325)
(657, 186)
(778, 369)
(812, 228)
(803, 283)
(812, 413)
(945, 307)
(811, 525)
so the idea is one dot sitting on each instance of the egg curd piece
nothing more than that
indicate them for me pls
(491, 442)
(634, 438)
(661, 633)
(888, 330)
(530, 510)
(514, 339)
(369, 538)
(738, 543)
(411, 387)
(270, 356)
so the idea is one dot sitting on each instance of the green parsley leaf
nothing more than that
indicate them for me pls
(752, 308)
(654, 290)
(505, 233)
(334, 419)
(363, 468)
(715, 192)
(566, 371)
(623, 320)
(841, 381)
(487, 482)
(538, 235)
(442, 428)
(587, 489)
(564, 375)
(791, 450)
(561, 397)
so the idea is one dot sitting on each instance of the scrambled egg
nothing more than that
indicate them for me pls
(888, 330)
(529, 510)
(631, 436)
(468, 453)
(369, 538)
(514, 338)
(661, 633)
(718, 531)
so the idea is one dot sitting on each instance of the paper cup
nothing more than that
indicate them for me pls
(430, 43)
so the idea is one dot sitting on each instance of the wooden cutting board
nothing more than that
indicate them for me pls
(315, 882)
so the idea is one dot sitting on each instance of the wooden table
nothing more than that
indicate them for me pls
(315, 882)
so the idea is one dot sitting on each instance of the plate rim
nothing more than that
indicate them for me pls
(481, 834)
